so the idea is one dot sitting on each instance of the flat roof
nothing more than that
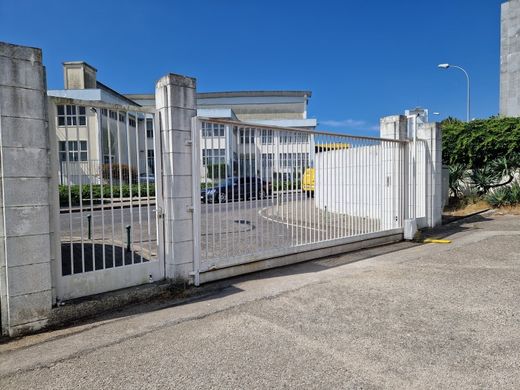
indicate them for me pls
(229, 94)
(253, 93)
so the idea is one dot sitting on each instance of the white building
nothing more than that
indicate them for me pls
(89, 137)
(248, 149)
(101, 133)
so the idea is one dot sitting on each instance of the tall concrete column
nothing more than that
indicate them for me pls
(510, 59)
(431, 133)
(175, 97)
(396, 127)
(25, 230)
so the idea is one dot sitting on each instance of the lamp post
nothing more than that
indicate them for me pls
(446, 66)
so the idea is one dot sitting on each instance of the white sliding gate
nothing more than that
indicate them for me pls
(108, 231)
(269, 191)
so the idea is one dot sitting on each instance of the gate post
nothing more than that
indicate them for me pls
(175, 98)
(431, 134)
(396, 127)
(25, 188)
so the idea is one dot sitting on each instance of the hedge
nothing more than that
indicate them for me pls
(97, 195)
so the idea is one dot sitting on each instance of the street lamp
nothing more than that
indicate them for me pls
(446, 66)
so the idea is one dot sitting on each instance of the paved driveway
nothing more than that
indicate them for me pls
(403, 316)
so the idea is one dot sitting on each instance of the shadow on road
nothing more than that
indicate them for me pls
(175, 295)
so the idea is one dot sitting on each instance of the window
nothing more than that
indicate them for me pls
(247, 135)
(212, 129)
(112, 115)
(294, 160)
(267, 137)
(77, 151)
(149, 128)
(267, 160)
(213, 156)
(71, 115)
(290, 138)
(151, 160)
(303, 138)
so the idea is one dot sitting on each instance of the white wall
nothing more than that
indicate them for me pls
(361, 182)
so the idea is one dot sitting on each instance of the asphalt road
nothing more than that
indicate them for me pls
(398, 317)
(227, 229)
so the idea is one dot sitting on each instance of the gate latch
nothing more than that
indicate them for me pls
(159, 211)
(188, 142)
(190, 209)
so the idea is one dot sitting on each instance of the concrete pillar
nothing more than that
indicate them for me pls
(25, 234)
(175, 98)
(393, 127)
(396, 127)
(431, 133)
(509, 59)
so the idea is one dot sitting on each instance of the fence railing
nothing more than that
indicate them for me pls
(291, 190)
(107, 186)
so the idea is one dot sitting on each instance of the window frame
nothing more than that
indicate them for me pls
(78, 153)
(68, 115)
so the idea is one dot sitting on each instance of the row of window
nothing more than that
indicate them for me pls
(213, 156)
(71, 115)
(212, 129)
(294, 160)
(218, 156)
(247, 136)
(115, 115)
(78, 151)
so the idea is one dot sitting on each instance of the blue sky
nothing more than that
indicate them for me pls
(361, 59)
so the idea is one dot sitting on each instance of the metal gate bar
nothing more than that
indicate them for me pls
(323, 187)
(107, 156)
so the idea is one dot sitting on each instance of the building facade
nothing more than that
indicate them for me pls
(116, 130)
(251, 149)
(98, 129)
(510, 59)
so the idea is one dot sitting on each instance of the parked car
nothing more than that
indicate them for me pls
(147, 178)
(236, 188)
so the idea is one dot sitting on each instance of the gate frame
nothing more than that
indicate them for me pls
(84, 284)
(251, 263)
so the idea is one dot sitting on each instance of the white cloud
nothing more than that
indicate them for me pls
(352, 123)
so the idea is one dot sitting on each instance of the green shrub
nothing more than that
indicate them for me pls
(504, 196)
(484, 154)
(479, 142)
(97, 194)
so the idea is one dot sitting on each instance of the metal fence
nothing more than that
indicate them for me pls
(107, 195)
(270, 191)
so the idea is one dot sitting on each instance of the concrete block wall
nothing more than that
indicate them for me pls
(176, 105)
(25, 233)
